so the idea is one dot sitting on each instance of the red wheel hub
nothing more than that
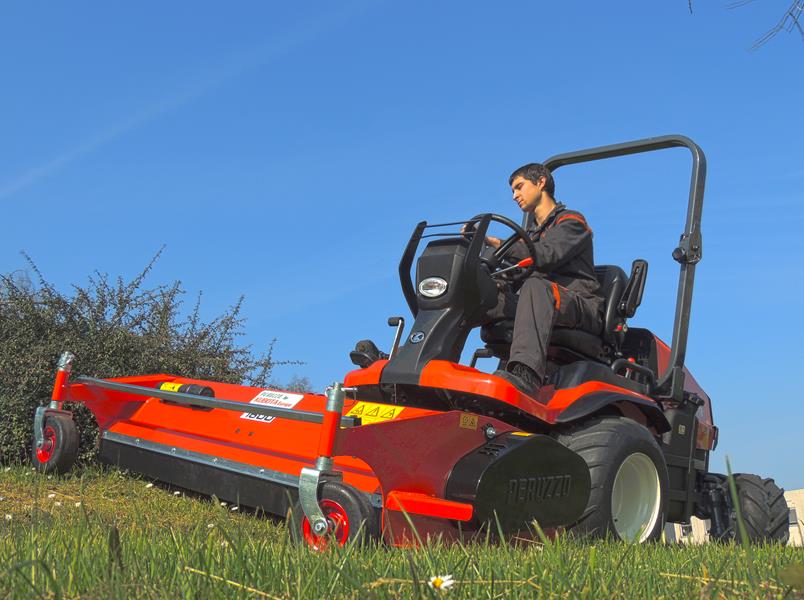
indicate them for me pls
(338, 527)
(45, 453)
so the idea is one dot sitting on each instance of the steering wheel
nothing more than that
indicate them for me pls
(498, 262)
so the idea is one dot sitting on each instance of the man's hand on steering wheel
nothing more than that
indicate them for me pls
(468, 227)
(499, 262)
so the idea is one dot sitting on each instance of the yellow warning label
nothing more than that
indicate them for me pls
(468, 421)
(370, 412)
(521, 433)
(170, 386)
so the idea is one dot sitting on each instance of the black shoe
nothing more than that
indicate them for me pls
(523, 377)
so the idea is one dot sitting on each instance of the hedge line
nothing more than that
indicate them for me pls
(115, 328)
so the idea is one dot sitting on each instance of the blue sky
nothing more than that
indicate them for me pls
(286, 152)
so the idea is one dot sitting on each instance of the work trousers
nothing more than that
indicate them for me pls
(540, 306)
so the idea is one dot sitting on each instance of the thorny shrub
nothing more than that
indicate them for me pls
(115, 328)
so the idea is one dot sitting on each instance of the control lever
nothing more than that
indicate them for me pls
(399, 323)
(525, 262)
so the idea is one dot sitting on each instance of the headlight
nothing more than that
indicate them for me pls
(433, 287)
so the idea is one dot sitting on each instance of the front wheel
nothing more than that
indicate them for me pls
(763, 509)
(629, 479)
(349, 515)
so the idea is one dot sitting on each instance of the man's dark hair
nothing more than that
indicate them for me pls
(532, 172)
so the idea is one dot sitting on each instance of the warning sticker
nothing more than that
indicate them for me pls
(271, 398)
(369, 412)
(468, 421)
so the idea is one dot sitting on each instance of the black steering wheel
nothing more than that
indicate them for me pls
(498, 262)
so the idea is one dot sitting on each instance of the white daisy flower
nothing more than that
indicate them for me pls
(51, 495)
(9, 517)
(177, 493)
(210, 525)
(77, 504)
(223, 504)
(149, 485)
(234, 508)
(442, 583)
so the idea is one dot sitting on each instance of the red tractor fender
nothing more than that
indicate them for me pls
(639, 408)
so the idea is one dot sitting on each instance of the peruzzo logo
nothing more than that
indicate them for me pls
(537, 489)
(274, 399)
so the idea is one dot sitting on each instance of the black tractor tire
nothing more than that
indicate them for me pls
(349, 513)
(60, 449)
(608, 444)
(763, 509)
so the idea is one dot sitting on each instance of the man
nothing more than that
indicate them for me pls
(563, 289)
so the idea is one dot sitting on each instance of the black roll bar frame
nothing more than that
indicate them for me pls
(688, 252)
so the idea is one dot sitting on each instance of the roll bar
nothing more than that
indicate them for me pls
(688, 252)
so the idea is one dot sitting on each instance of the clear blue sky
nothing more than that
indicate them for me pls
(286, 152)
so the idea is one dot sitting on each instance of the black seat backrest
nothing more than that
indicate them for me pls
(612, 280)
(632, 296)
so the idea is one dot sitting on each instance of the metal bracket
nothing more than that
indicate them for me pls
(40, 415)
(309, 480)
(39, 426)
(66, 362)
(689, 249)
(308, 498)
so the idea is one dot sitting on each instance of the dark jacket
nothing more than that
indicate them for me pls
(564, 251)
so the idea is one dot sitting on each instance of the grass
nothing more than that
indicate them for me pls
(104, 534)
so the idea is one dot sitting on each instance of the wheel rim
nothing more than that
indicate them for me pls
(45, 453)
(338, 527)
(636, 498)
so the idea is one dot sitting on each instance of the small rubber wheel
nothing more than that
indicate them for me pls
(763, 508)
(629, 479)
(349, 515)
(60, 447)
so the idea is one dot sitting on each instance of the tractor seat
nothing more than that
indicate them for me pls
(622, 295)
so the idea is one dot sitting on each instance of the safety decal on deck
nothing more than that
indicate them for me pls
(468, 421)
(369, 412)
(273, 398)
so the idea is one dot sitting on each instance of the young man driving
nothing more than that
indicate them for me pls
(563, 289)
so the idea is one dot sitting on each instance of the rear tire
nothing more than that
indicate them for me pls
(350, 516)
(763, 508)
(629, 479)
(60, 448)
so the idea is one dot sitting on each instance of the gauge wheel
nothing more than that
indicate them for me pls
(350, 518)
(59, 448)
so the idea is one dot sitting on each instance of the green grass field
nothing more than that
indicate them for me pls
(104, 534)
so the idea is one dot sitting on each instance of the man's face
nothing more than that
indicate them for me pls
(526, 193)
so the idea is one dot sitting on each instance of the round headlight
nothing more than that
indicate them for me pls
(433, 287)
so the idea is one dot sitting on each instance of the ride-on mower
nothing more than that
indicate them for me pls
(414, 445)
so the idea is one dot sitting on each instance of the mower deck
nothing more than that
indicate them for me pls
(404, 459)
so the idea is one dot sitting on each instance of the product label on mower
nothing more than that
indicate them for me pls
(369, 412)
(272, 398)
